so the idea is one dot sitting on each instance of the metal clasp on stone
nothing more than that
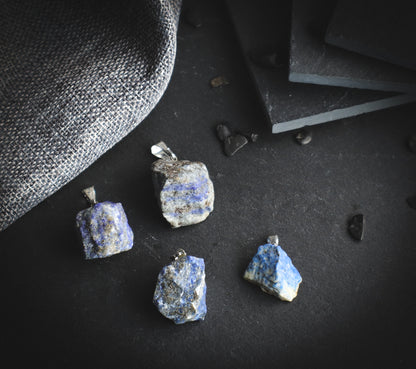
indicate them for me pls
(89, 194)
(180, 253)
(274, 240)
(161, 151)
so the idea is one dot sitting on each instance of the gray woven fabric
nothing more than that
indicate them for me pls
(75, 78)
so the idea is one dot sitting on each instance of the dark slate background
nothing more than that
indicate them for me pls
(356, 305)
(311, 59)
(384, 30)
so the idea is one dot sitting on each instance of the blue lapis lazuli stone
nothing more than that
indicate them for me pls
(184, 190)
(104, 230)
(272, 269)
(180, 293)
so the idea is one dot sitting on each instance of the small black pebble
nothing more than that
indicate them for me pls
(411, 143)
(193, 18)
(234, 143)
(303, 137)
(223, 132)
(356, 227)
(411, 201)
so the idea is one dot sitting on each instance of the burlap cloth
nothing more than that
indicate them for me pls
(75, 78)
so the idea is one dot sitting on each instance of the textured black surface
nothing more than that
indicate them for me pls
(355, 307)
(314, 61)
(412, 202)
(264, 26)
(384, 30)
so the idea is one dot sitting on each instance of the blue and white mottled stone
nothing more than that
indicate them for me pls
(104, 230)
(184, 190)
(274, 272)
(181, 289)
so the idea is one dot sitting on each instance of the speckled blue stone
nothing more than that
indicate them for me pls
(272, 269)
(180, 290)
(104, 230)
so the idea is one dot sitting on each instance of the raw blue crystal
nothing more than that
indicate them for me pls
(180, 290)
(104, 230)
(184, 190)
(274, 272)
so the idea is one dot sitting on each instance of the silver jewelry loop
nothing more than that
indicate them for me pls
(161, 151)
(89, 194)
(274, 240)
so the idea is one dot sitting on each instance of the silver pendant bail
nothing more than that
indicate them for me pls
(180, 253)
(274, 240)
(89, 194)
(161, 151)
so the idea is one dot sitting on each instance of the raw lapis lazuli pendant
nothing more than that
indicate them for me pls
(181, 289)
(104, 228)
(183, 188)
(272, 269)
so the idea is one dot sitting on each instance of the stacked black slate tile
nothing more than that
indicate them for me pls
(302, 79)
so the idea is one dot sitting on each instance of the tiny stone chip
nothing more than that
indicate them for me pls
(223, 132)
(104, 230)
(219, 81)
(356, 227)
(303, 137)
(180, 293)
(184, 191)
(273, 270)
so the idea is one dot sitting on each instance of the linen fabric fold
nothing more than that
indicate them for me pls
(75, 78)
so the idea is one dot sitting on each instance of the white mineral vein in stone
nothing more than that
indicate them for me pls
(186, 194)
